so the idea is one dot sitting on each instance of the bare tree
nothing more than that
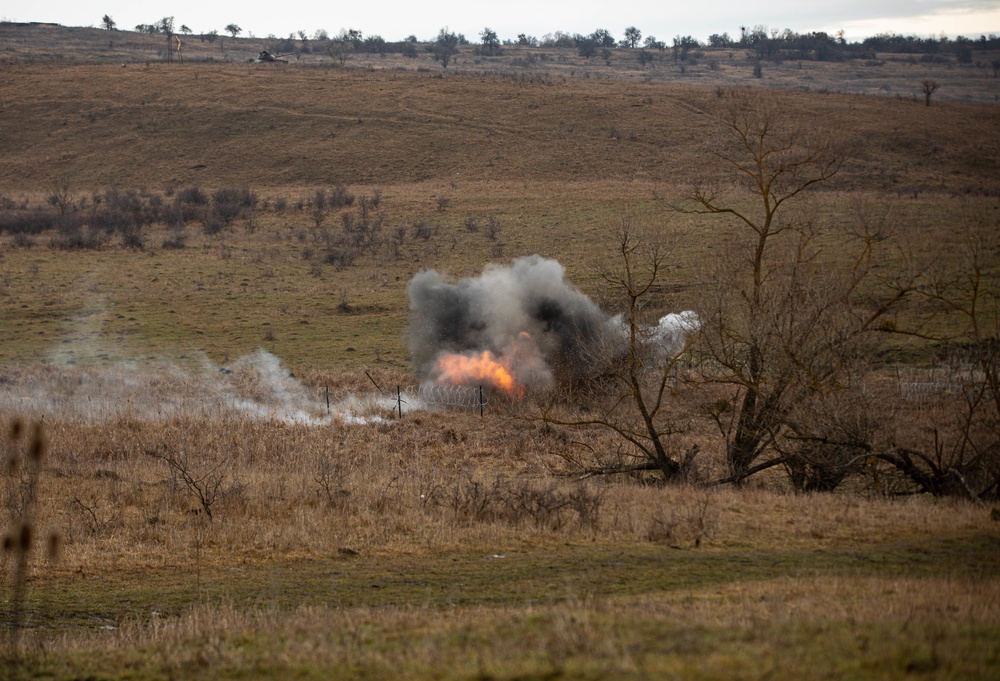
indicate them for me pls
(779, 329)
(945, 439)
(960, 451)
(340, 49)
(928, 87)
(206, 484)
(637, 376)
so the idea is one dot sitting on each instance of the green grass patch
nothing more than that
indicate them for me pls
(584, 611)
(511, 577)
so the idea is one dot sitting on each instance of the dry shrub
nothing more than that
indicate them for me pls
(433, 479)
(685, 524)
(25, 222)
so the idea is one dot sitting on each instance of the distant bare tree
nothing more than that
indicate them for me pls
(340, 49)
(445, 47)
(602, 37)
(651, 43)
(929, 87)
(586, 47)
(632, 37)
(233, 30)
(108, 23)
(490, 41)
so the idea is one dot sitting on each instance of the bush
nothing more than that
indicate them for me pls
(214, 221)
(26, 222)
(112, 220)
(132, 237)
(72, 235)
(22, 241)
(493, 228)
(154, 207)
(174, 216)
(319, 201)
(341, 256)
(193, 195)
(520, 503)
(339, 197)
(176, 241)
(127, 201)
(396, 240)
(422, 230)
(230, 203)
(61, 198)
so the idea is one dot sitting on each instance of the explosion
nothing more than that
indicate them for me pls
(529, 320)
(477, 368)
(518, 327)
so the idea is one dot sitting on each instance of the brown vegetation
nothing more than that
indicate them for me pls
(221, 513)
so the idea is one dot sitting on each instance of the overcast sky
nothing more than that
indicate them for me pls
(396, 19)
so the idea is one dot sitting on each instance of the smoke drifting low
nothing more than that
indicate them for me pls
(255, 387)
(527, 317)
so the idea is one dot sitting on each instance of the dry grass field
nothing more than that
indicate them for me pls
(199, 412)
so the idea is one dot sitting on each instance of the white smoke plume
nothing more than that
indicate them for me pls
(255, 387)
(671, 334)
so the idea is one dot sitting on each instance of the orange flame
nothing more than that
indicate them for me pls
(456, 369)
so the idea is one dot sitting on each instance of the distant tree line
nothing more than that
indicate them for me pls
(761, 42)
(347, 42)
(772, 44)
(764, 43)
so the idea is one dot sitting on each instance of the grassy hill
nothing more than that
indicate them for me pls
(555, 161)
(299, 125)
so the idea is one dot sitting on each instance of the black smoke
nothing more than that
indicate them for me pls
(527, 312)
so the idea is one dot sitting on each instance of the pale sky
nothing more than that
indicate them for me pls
(395, 19)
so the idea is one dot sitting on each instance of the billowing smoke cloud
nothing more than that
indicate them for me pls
(542, 329)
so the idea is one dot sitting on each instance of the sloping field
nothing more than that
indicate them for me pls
(555, 163)
(157, 125)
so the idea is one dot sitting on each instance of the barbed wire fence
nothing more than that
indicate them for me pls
(447, 396)
(455, 396)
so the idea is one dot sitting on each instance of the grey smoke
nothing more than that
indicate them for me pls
(571, 339)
